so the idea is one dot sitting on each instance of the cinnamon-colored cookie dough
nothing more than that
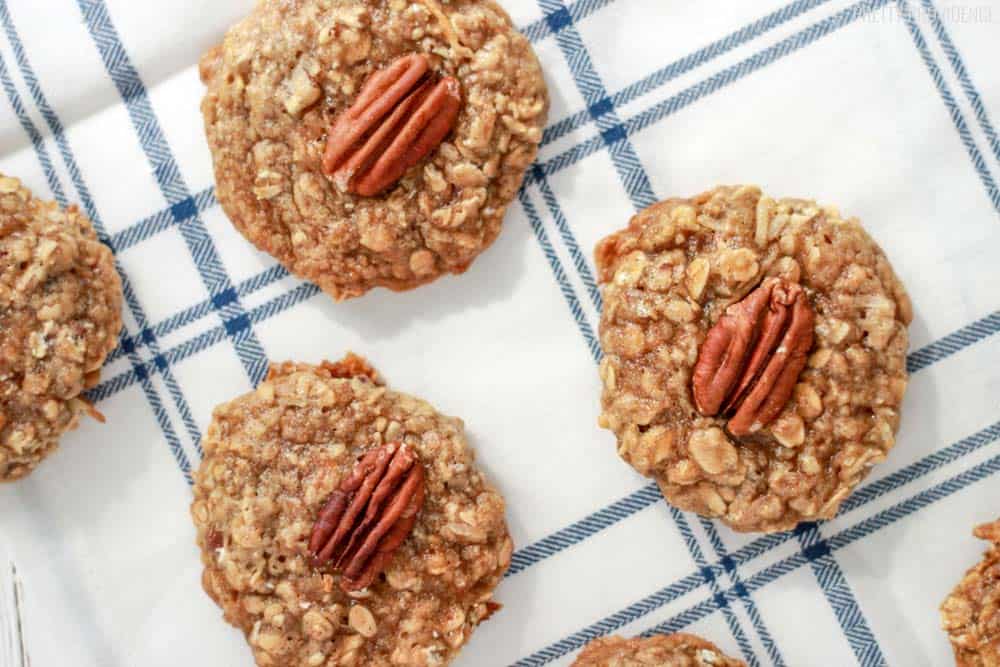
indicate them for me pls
(678, 650)
(289, 464)
(60, 314)
(971, 614)
(755, 354)
(294, 93)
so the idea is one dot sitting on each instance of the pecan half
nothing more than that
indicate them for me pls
(369, 515)
(751, 359)
(399, 117)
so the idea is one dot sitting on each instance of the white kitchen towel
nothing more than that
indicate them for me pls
(886, 108)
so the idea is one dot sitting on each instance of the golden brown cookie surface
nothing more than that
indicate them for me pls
(60, 314)
(283, 79)
(971, 614)
(692, 289)
(276, 457)
(678, 650)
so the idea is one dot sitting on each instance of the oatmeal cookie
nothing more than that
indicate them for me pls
(372, 143)
(755, 354)
(971, 614)
(678, 650)
(60, 314)
(310, 452)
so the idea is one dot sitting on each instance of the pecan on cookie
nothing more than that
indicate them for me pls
(677, 650)
(755, 354)
(971, 613)
(343, 523)
(372, 143)
(60, 315)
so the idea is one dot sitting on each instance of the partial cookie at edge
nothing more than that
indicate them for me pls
(971, 613)
(677, 650)
(60, 318)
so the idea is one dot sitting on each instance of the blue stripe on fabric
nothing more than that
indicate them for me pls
(575, 309)
(577, 11)
(917, 360)
(204, 340)
(717, 82)
(33, 134)
(164, 220)
(970, 90)
(840, 596)
(580, 530)
(588, 82)
(732, 572)
(680, 67)
(649, 494)
(957, 117)
(198, 311)
(569, 240)
(926, 465)
(767, 575)
(613, 622)
(152, 396)
(954, 342)
(171, 182)
(735, 627)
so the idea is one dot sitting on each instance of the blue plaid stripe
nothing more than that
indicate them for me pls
(920, 468)
(936, 351)
(619, 619)
(838, 593)
(201, 342)
(208, 306)
(581, 530)
(163, 220)
(957, 117)
(576, 11)
(975, 101)
(34, 136)
(732, 573)
(735, 627)
(679, 67)
(771, 573)
(954, 342)
(568, 239)
(649, 494)
(716, 82)
(589, 83)
(238, 325)
(560, 275)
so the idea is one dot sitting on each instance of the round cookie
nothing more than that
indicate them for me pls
(759, 431)
(60, 314)
(288, 73)
(971, 614)
(678, 650)
(275, 461)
